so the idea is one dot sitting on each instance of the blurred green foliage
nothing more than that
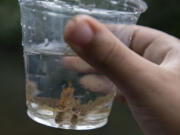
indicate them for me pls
(10, 32)
(162, 14)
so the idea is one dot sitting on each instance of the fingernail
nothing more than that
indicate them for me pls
(78, 32)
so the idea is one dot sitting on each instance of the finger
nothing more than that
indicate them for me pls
(99, 47)
(136, 36)
(77, 64)
(147, 42)
(122, 31)
(101, 84)
(97, 83)
(94, 83)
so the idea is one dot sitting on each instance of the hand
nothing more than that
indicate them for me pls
(148, 74)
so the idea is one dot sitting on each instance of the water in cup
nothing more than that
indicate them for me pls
(59, 96)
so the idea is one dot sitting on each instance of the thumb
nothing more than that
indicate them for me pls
(92, 41)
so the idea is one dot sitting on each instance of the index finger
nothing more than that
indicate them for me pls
(152, 44)
(138, 38)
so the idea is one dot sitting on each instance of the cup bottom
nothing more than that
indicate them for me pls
(51, 123)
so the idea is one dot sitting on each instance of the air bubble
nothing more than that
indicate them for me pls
(113, 2)
(24, 26)
(29, 27)
(44, 18)
(34, 10)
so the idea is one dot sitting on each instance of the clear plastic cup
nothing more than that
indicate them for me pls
(62, 90)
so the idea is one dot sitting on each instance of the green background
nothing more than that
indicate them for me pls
(162, 14)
